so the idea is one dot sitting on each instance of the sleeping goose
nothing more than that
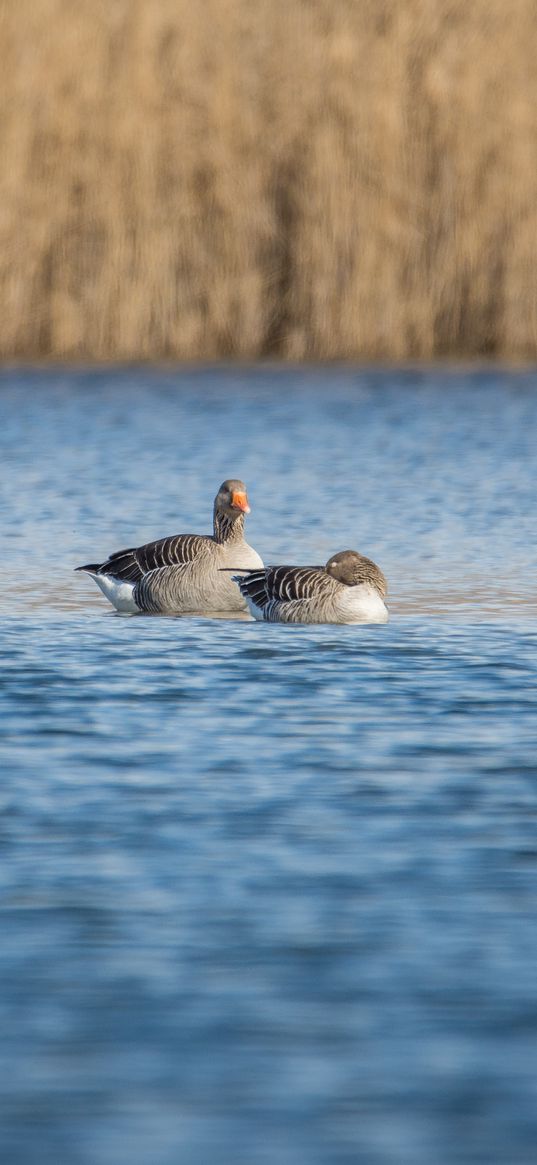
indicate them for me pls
(349, 589)
(184, 572)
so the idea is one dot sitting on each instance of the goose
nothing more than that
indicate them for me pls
(183, 573)
(349, 589)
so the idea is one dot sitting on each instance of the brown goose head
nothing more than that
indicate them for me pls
(353, 569)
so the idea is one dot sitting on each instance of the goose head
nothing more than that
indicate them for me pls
(353, 569)
(232, 499)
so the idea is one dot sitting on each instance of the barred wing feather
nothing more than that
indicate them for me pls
(298, 582)
(253, 586)
(279, 584)
(131, 565)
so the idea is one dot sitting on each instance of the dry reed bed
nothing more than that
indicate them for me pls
(298, 178)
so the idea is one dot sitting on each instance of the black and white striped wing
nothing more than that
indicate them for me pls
(132, 564)
(292, 583)
(252, 585)
(283, 584)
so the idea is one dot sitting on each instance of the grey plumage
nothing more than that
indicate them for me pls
(349, 589)
(183, 572)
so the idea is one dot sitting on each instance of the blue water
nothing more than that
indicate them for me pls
(268, 894)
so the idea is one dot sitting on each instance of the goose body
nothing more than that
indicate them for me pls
(185, 572)
(349, 589)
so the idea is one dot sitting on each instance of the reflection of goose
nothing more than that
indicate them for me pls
(183, 573)
(349, 589)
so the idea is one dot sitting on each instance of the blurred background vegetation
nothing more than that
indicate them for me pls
(255, 178)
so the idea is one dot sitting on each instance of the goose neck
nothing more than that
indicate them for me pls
(228, 529)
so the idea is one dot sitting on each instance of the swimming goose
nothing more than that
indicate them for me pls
(349, 589)
(184, 572)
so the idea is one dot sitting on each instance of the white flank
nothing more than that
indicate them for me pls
(119, 593)
(361, 604)
(255, 611)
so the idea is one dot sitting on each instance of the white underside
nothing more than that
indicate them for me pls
(361, 604)
(117, 592)
(255, 611)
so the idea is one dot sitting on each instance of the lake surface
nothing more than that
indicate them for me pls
(268, 893)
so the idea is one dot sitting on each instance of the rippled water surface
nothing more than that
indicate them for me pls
(268, 893)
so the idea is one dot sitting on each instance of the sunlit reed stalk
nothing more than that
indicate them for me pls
(289, 178)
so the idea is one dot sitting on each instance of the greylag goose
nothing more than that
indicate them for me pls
(349, 589)
(184, 572)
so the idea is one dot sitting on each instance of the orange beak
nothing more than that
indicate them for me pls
(240, 502)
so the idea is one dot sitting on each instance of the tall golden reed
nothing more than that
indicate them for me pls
(246, 178)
